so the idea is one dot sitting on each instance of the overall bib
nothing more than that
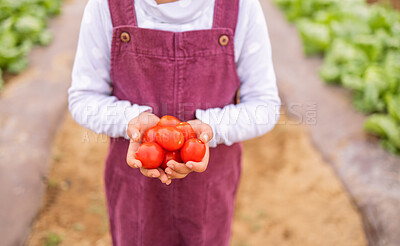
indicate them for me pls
(175, 74)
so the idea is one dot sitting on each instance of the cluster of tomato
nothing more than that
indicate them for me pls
(171, 139)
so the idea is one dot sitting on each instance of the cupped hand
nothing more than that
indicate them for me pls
(177, 170)
(136, 128)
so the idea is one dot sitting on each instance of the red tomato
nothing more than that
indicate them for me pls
(168, 120)
(170, 138)
(187, 130)
(171, 155)
(193, 150)
(150, 135)
(150, 154)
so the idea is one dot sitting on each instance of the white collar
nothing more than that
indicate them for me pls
(179, 12)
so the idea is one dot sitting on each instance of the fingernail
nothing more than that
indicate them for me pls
(171, 166)
(135, 166)
(134, 136)
(153, 175)
(169, 172)
(204, 137)
(189, 165)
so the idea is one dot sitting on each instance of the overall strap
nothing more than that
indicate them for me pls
(226, 14)
(122, 12)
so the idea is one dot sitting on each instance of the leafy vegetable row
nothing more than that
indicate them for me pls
(361, 48)
(22, 25)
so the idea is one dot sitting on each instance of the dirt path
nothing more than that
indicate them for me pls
(288, 195)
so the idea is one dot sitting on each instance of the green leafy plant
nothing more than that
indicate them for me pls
(361, 47)
(23, 24)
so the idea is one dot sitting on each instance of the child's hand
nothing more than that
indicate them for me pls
(136, 128)
(177, 170)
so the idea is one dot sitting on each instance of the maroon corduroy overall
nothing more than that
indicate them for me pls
(175, 74)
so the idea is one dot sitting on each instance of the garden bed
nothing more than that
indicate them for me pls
(370, 174)
(32, 106)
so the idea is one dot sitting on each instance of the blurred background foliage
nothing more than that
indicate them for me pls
(360, 43)
(23, 24)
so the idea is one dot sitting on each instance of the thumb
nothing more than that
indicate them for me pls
(133, 133)
(206, 135)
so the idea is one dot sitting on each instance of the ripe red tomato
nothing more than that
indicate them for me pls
(193, 150)
(186, 129)
(168, 120)
(170, 138)
(150, 135)
(150, 154)
(171, 155)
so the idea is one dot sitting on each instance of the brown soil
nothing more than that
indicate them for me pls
(287, 196)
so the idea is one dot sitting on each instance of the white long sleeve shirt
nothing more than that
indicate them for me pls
(92, 105)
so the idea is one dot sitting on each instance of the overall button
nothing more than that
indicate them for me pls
(125, 37)
(223, 40)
